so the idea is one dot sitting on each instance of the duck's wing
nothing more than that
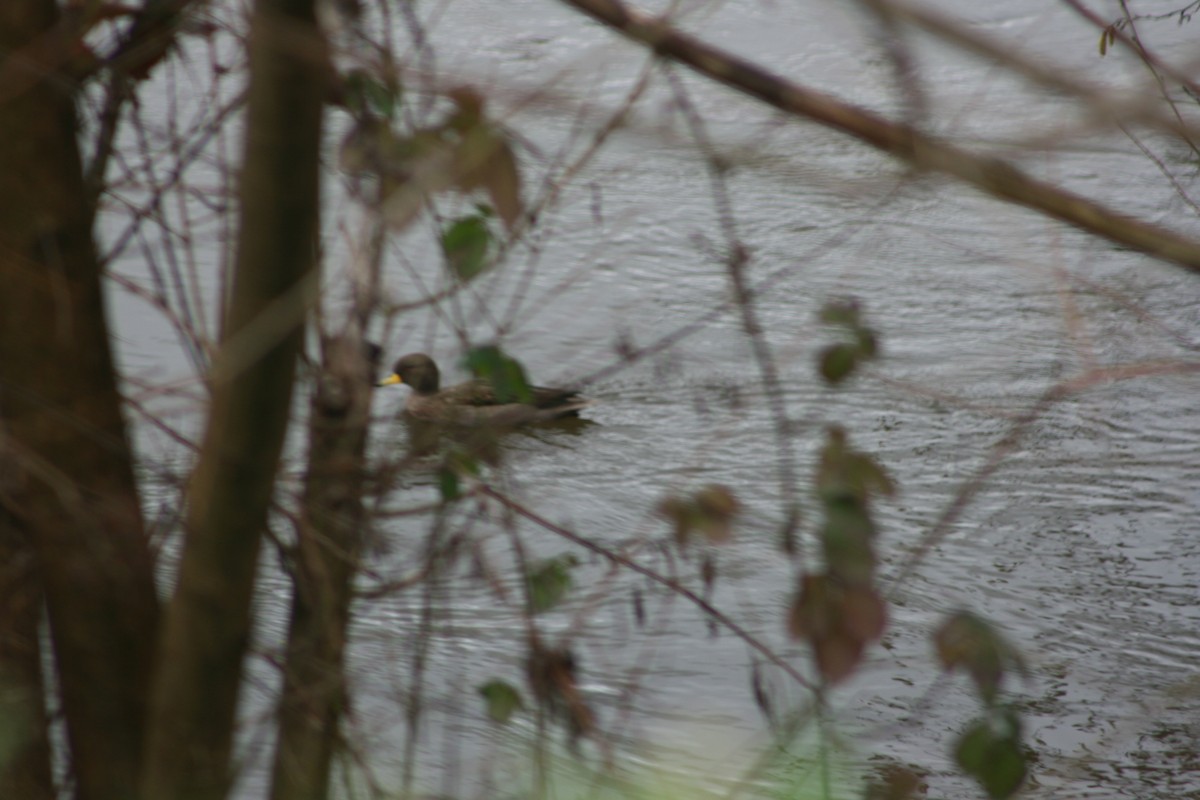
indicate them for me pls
(554, 398)
(471, 393)
(481, 394)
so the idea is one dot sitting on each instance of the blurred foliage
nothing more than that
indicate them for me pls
(501, 700)
(894, 782)
(464, 151)
(838, 361)
(989, 750)
(456, 464)
(839, 611)
(364, 94)
(710, 511)
(503, 372)
(553, 678)
(839, 619)
(968, 642)
(549, 581)
(467, 243)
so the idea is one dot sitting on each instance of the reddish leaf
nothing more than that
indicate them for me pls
(865, 613)
(811, 616)
(837, 656)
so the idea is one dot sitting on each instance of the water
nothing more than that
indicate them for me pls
(1081, 546)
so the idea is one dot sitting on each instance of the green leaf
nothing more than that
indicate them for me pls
(505, 374)
(838, 362)
(455, 465)
(846, 543)
(868, 343)
(840, 312)
(365, 94)
(549, 582)
(859, 344)
(846, 475)
(448, 484)
(501, 699)
(989, 750)
(466, 243)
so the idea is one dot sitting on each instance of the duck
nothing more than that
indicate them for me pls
(476, 402)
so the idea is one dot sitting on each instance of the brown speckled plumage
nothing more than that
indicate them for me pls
(475, 402)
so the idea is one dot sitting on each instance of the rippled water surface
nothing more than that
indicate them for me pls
(1082, 545)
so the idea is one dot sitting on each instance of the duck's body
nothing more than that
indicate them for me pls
(476, 402)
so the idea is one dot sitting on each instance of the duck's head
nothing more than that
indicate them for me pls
(418, 371)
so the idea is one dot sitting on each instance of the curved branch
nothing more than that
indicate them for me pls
(708, 608)
(992, 175)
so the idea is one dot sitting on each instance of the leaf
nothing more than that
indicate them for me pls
(456, 464)
(715, 508)
(448, 484)
(360, 151)
(837, 620)
(484, 159)
(840, 312)
(677, 510)
(810, 615)
(837, 362)
(846, 543)
(710, 510)
(969, 642)
(989, 750)
(846, 475)
(505, 374)
(549, 582)
(364, 92)
(837, 657)
(466, 243)
(501, 699)
(894, 782)
(864, 613)
(867, 342)
(410, 170)
(503, 183)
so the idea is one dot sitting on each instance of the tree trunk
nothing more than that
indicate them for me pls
(74, 495)
(24, 741)
(208, 623)
(326, 559)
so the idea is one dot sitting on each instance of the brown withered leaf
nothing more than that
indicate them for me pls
(969, 642)
(837, 656)
(894, 782)
(810, 616)
(716, 506)
(552, 677)
(865, 613)
(503, 184)
(678, 512)
(709, 511)
(837, 620)
(484, 160)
